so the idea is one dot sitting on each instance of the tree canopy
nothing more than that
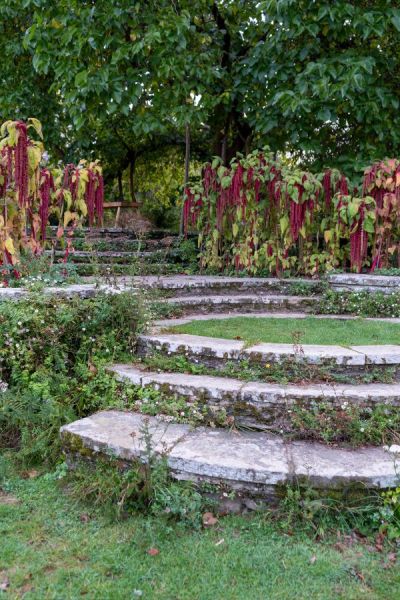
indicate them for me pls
(317, 79)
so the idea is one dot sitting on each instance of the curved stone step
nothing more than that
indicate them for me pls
(352, 282)
(220, 285)
(216, 351)
(242, 303)
(251, 463)
(256, 404)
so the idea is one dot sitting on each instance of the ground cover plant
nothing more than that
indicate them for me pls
(260, 213)
(362, 304)
(310, 330)
(53, 354)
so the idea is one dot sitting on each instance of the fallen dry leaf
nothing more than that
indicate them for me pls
(313, 559)
(84, 518)
(30, 474)
(4, 582)
(153, 551)
(209, 520)
(8, 499)
(391, 560)
(220, 542)
(379, 541)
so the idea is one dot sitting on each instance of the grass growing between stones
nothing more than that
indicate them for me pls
(52, 547)
(310, 330)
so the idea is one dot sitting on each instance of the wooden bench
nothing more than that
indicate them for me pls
(118, 205)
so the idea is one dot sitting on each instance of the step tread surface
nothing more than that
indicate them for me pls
(245, 458)
(353, 355)
(216, 386)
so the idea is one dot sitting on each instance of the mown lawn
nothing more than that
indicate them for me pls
(53, 548)
(341, 332)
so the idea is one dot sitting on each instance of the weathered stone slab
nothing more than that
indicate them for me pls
(207, 349)
(352, 282)
(250, 462)
(194, 345)
(240, 303)
(312, 354)
(361, 279)
(380, 355)
(83, 290)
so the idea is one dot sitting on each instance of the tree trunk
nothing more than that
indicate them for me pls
(131, 177)
(120, 188)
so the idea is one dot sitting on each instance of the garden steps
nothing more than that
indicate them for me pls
(215, 352)
(239, 303)
(254, 464)
(255, 404)
(86, 256)
(187, 285)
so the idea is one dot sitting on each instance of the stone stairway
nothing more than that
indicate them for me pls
(116, 250)
(249, 456)
(193, 295)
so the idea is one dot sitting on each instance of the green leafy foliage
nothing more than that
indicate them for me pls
(53, 356)
(317, 79)
(261, 214)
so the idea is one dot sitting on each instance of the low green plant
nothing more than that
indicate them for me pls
(287, 370)
(142, 486)
(350, 424)
(363, 304)
(389, 513)
(37, 272)
(303, 508)
(53, 354)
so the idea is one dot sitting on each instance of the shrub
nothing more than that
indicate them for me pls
(53, 354)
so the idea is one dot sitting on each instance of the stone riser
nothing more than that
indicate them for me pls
(208, 285)
(241, 304)
(255, 404)
(215, 353)
(254, 463)
(350, 282)
(113, 257)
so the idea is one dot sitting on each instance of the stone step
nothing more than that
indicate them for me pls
(252, 464)
(255, 404)
(111, 232)
(124, 271)
(351, 282)
(215, 352)
(116, 244)
(187, 285)
(107, 257)
(242, 303)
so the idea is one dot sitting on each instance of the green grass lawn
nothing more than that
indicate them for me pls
(53, 548)
(308, 331)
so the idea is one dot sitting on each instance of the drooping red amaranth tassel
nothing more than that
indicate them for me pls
(21, 165)
(45, 189)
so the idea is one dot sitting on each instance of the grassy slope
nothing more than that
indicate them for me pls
(50, 548)
(310, 330)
